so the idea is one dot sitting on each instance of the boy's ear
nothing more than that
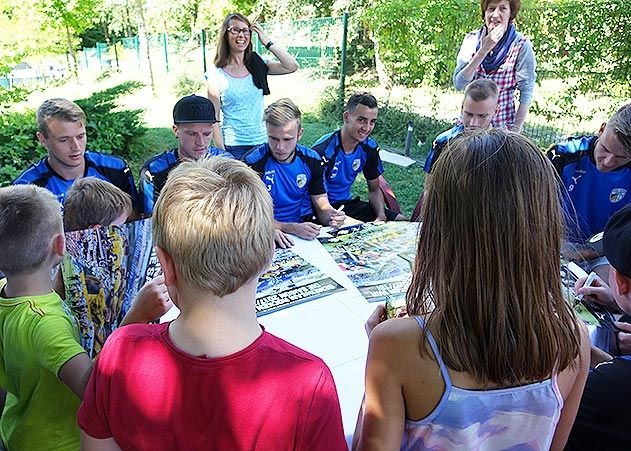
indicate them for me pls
(59, 244)
(168, 266)
(623, 283)
(602, 128)
(42, 139)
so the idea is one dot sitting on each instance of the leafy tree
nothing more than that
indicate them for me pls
(73, 17)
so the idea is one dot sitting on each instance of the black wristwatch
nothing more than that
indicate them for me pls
(268, 45)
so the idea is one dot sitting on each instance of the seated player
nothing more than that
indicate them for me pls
(213, 378)
(350, 150)
(596, 174)
(43, 368)
(603, 421)
(61, 130)
(477, 111)
(193, 120)
(293, 175)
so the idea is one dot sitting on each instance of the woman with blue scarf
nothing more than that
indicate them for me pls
(499, 52)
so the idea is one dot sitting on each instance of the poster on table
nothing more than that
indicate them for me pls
(103, 269)
(291, 280)
(377, 258)
(589, 312)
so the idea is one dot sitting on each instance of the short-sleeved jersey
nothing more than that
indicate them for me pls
(439, 144)
(341, 168)
(290, 184)
(37, 337)
(102, 166)
(150, 395)
(155, 171)
(590, 197)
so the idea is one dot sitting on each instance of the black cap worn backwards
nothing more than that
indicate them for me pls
(194, 109)
(617, 241)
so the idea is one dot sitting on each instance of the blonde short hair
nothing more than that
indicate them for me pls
(60, 109)
(30, 217)
(215, 218)
(91, 201)
(282, 112)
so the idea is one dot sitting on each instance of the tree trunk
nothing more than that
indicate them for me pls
(72, 53)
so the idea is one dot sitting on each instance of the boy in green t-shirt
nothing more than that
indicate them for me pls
(42, 366)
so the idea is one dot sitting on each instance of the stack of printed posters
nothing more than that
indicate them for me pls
(377, 258)
(291, 280)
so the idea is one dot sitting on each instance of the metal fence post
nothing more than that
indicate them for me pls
(343, 68)
(166, 54)
(204, 48)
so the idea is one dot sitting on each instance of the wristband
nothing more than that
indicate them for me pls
(268, 45)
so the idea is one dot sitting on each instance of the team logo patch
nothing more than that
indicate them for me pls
(356, 163)
(301, 180)
(616, 195)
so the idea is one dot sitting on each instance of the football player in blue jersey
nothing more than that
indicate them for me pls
(477, 111)
(61, 130)
(193, 122)
(596, 175)
(293, 175)
(349, 151)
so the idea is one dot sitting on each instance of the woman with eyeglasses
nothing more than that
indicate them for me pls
(238, 82)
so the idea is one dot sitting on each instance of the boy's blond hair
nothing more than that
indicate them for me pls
(91, 201)
(30, 217)
(215, 218)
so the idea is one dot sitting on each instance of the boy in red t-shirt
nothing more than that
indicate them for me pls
(213, 378)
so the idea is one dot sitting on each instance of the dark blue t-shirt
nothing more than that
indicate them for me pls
(290, 184)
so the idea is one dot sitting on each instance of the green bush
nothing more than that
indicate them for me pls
(186, 84)
(18, 144)
(109, 130)
(112, 130)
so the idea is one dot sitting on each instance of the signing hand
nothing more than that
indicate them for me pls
(282, 239)
(337, 218)
(598, 292)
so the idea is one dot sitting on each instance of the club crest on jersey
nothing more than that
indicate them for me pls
(356, 163)
(301, 180)
(616, 195)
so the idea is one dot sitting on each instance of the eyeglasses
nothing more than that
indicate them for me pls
(236, 30)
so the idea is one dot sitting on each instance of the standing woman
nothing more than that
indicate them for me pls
(238, 82)
(499, 52)
(492, 356)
